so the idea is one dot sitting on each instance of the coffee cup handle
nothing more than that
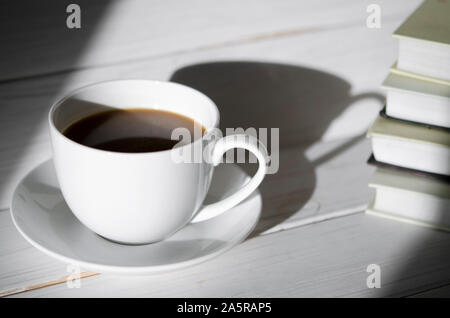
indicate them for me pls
(224, 144)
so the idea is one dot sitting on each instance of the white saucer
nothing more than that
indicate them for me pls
(41, 215)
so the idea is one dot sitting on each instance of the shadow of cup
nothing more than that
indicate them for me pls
(300, 102)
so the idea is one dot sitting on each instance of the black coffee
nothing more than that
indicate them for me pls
(131, 130)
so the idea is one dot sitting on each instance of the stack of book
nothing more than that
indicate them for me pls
(411, 136)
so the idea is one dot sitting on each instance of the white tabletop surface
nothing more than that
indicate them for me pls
(313, 239)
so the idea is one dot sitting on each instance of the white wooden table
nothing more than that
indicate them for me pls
(311, 68)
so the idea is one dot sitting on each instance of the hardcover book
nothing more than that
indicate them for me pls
(411, 145)
(417, 100)
(410, 196)
(424, 41)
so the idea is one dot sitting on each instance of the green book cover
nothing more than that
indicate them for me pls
(391, 128)
(430, 22)
(405, 83)
(397, 71)
(398, 179)
(371, 211)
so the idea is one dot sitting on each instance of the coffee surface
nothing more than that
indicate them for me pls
(132, 130)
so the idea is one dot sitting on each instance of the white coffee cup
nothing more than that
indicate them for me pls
(138, 198)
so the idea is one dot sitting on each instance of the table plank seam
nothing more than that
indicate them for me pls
(427, 290)
(236, 42)
(86, 275)
(58, 281)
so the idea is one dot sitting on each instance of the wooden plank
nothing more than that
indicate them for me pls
(312, 64)
(24, 105)
(21, 264)
(61, 280)
(440, 292)
(307, 189)
(37, 41)
(328, 259)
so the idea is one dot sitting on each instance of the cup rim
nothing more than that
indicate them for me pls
(66, 96)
